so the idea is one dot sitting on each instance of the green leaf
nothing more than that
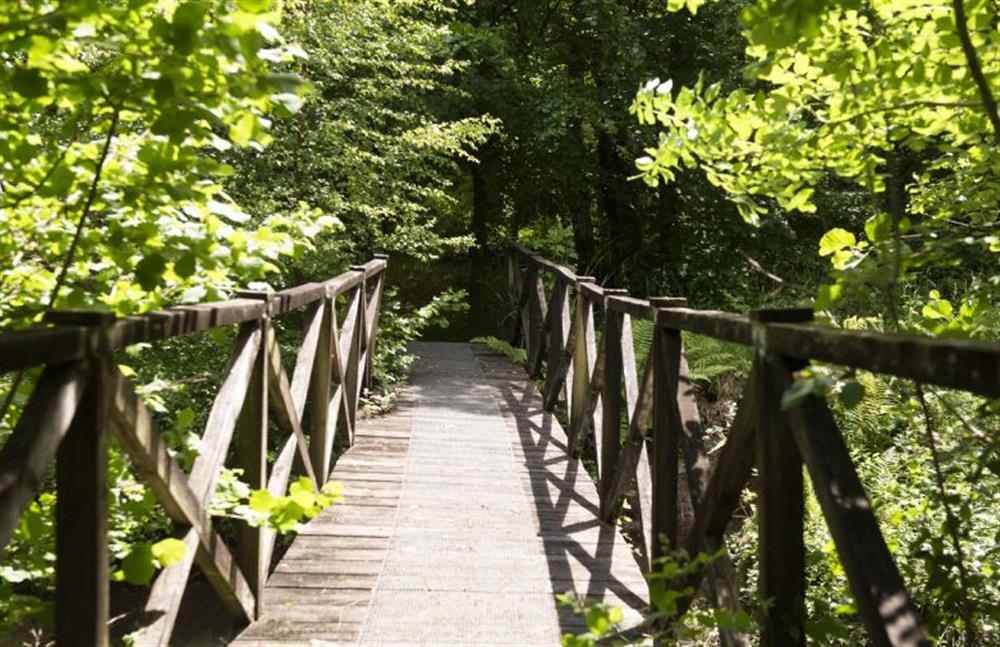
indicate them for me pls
(254, 6)
(835, 240)
(262, 501)
(169, 551)
(938, 309)
(30, 83)
(138, 567)
(184, 419)
(242, 131)
(186, 265)
(302, 484)
(878, 227)
(149, 272)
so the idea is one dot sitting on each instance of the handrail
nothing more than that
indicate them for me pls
(590, 376)
(80, 394)
(66, 342)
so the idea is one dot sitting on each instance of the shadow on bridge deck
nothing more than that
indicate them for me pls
(463, 518)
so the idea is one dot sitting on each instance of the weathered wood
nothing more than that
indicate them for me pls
(342, 284)
(584, 351)
(633, 462)
(346, 365)
(167, 591)
(225, 410)
(611, 402)
(972, 366)
(33, 443)
(592, 292)
(251, 453)
(559, 337)
(321, 437)
(781, 505)
(306, 357)
(536, 260)
(294, 298)
(591, 422)
(135, 429)
(81, 599)
(284, 406)
(371, 325)
(638, 308)
(36, 346)
(879, 593)
(665, 356)
(537, 315)
(780, 519)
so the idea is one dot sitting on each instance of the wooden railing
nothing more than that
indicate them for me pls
(558, 311)
(80, 394)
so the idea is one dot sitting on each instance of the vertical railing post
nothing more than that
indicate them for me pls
(578, 380)
(666, 359)
(781, 507)
(81, 599)
(251, 451)
(320, 442)
(559, 322)
(536, 318)
(350, 356)
(514, 289)
(375, 306)
(611, 400)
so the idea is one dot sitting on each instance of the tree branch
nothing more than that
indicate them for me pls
(91, 194)
(975, 69)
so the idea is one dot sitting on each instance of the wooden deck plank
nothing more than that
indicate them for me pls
(463, 517)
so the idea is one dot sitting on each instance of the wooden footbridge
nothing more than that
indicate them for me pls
(470, 506)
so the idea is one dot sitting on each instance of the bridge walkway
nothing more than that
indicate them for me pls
(463, 518)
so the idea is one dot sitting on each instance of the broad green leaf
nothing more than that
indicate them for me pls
(835, 240)
(169, 551)
(149, 271)
(138, 567)
(29, 83)
(938, 309)
(185, 419)
(262, 501)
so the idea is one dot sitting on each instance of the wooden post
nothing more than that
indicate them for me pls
(81, 600)
(535, 289)
(584, 356)
(666, 361)
(375, 307)
(780, 510)
(880, 595)
(319, 392)
(350, 356)
(559, 322)
(252, 457)
(514, 293)
(611, 402)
